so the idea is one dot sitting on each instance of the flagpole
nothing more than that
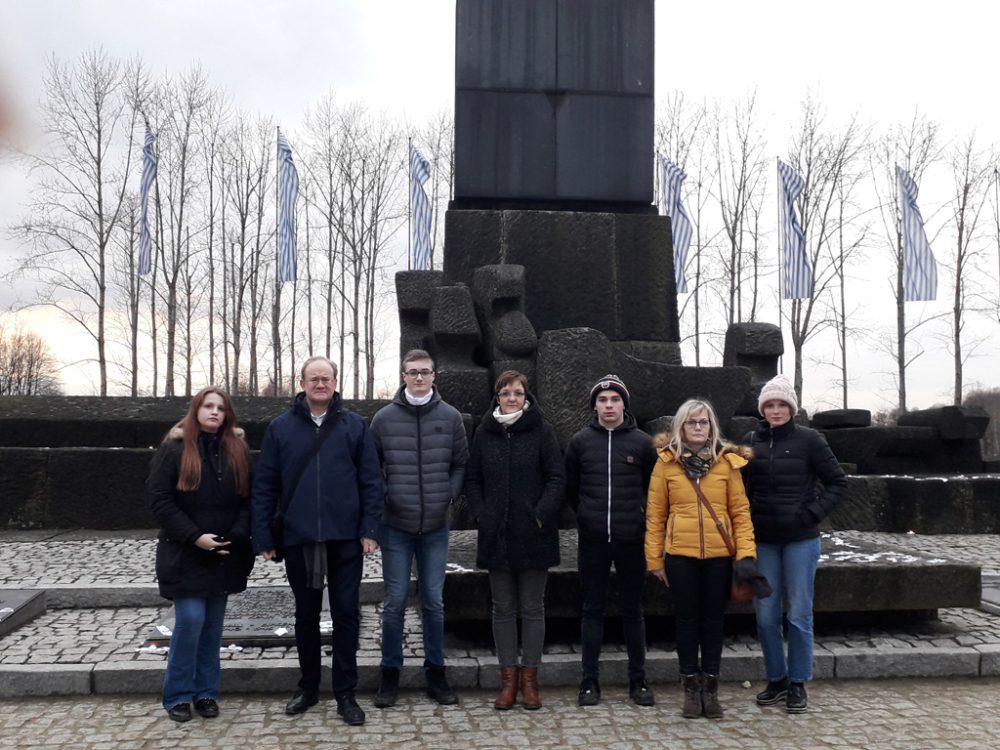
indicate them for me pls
(276, 312)
(781, 268)
(409, 203)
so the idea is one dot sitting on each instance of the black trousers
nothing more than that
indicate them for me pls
(700, 592)
(344, 564)
(594, 560)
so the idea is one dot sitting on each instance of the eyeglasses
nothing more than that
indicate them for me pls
(699, 423)
(508, 394)
(317, 381)
(418, 373)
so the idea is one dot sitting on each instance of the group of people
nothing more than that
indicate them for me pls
(693, 510)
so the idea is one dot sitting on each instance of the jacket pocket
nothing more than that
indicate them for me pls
(168, 561)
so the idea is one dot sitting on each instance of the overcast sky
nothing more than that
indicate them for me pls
(880, 59)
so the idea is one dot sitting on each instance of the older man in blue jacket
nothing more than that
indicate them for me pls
(319, 472)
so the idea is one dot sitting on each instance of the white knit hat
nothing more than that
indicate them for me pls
(780, 388)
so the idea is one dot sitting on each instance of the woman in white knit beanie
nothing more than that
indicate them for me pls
(786, 509)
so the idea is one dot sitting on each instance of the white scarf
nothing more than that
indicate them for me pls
(507, 420)
(418, 400)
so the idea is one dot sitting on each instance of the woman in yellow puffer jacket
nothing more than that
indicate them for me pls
(698, 566)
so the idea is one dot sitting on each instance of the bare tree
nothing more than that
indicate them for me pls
(914, 146)
(27, 367)
(824, 158)
(972, 171)
(739, 147)
(81, 178)
(682, 136)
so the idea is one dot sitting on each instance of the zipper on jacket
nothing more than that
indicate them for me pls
(770, 464)
(609, 484)
(319, 504)
(701, 522)
(420, 471)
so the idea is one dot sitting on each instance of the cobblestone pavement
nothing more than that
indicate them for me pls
(36, 559)
(884, 715)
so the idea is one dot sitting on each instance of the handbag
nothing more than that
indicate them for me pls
(740, 592)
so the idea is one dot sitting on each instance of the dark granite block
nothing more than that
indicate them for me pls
(99, 489)
(505, 145)
(415, 289)
(453, 315)
(606, 46)
(19, 607)
(951, 422)
(835, 419)
(471, 240)
(645, 280)
(604, 148)
(505, 44)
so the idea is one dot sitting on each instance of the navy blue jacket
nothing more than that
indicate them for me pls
(340, 494)
(785, 504)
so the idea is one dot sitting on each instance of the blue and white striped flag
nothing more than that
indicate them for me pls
(671, 178)
(148, 178)
(420, 206)
(797, 274)
(288, 193)
(919, 266)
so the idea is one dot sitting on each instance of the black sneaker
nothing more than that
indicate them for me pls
(180, 712)
(773, 693)
(640, 694)
(349, 710)
(795, 701)
(207, 708)
(590, 692)
(388, 688)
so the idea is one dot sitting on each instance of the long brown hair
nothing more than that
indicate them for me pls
(235, 448)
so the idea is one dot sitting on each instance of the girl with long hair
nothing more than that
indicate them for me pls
(199, 485)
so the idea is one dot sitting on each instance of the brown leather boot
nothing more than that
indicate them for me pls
(508, 688)
(710, 697)
(529, 689)
(692, 697)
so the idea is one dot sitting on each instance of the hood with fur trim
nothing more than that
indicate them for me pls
(729, 451)
(177, 433)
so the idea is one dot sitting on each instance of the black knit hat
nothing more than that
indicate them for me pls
(609, 383)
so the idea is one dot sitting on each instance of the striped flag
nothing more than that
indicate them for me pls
(288, 193)
(797, 275)
(919, 266)
(671, 177)
(148, 178)
(420, 206)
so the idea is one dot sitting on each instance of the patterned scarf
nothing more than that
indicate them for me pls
(696, 462)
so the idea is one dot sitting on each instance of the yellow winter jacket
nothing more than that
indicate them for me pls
(676, 520)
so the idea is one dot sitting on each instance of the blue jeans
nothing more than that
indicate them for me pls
(399, 548)
(791, 571)
(193, 670)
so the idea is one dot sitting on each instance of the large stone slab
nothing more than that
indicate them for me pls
(260, 616)
(19, 607)
(33, 680)
(904, 450)
(537, 83)
(852, 577)
(118, 422)
(951, 422)
(570, 361)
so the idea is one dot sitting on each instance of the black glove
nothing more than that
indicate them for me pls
(745, 571)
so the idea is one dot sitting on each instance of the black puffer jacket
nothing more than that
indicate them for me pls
(182, 569)
(785, 504)
(515, 486)
(423, 451)
(607, 477)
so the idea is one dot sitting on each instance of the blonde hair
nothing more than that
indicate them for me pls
(684, 412)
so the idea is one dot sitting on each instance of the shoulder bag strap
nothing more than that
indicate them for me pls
(324, 431)
(718, 524)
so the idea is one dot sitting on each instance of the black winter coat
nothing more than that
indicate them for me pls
(183, 569)
(515, 485)
(785, 504)
(607, 477)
